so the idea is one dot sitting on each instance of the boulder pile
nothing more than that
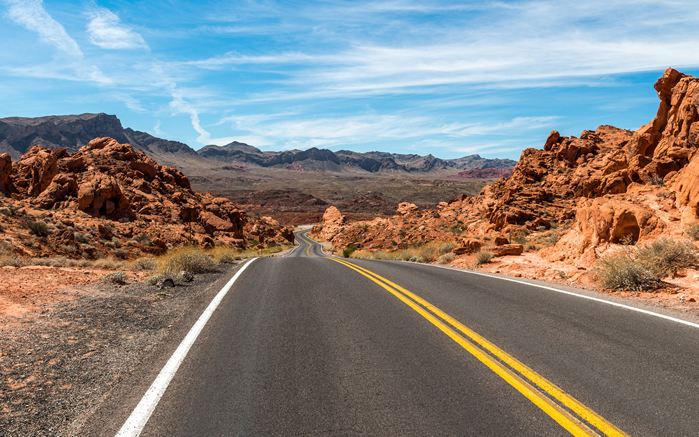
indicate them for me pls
(113, 193)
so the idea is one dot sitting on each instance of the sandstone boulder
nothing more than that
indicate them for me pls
(470, 245)
(101, 194)
(212, 223)
(61, 187)
(507, 249)
(406, 208)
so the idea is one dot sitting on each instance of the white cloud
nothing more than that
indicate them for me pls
(327, 132)
(106, 31)
(32, 15)
(157, 129)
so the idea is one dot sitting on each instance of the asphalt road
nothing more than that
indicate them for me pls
(309, 345)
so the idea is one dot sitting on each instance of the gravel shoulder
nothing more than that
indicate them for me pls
(63, 364)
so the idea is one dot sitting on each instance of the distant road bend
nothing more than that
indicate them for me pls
(310, 344)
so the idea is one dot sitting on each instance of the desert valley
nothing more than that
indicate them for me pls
(92, 208)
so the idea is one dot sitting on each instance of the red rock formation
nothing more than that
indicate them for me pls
(606, 186)
(129, 194)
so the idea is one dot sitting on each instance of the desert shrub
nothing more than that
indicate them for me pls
(484, 257)
(120, 253)
(108, 263)
(429, 251)
(115, 278)
(144, 264)
(192, 260)
(622, 271)
(39, 228)
(12, 259)
(657, 181)
(347, 251)
(82, 238)
(530, 246)
(446, 258)
(143, 239)
(184, 277)
(68, 249)
(447, 247)
(5, 211)
(224, 255)
(664, 256)
(153, 280)
(519, 236)
(693, 231)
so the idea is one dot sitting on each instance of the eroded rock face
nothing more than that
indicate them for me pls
(5, 173)
(115, 185)
(606, 186)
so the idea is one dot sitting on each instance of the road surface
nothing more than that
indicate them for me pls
(312, 345)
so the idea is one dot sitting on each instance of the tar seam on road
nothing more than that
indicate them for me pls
(560, 415)
(596, 299)
(139, 417)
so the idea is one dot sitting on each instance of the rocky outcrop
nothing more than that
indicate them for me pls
(124, 193)
(608, 186)
(331, 225)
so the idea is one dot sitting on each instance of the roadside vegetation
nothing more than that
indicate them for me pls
(643, 268)
(178, 264)
(421, 253)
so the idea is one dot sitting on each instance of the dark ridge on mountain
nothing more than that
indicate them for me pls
(18, 135)
(150, 144)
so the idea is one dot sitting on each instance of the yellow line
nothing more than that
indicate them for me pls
(570, 402)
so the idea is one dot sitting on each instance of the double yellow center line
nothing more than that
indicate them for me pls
(503, 364)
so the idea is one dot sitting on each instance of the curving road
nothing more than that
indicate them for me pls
(314, 345)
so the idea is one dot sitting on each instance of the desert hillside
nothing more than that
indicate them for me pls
(108, 199)
(573, 201)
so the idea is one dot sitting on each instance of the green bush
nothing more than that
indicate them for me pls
(39, 228)
(347, 251)
(484, 257)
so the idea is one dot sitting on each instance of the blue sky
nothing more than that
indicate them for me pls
(442, 77)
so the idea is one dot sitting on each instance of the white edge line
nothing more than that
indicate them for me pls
(582, 296)
(140, 415)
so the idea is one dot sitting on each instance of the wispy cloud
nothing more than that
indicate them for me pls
(106, 31)
(354, 129)
(32, 15)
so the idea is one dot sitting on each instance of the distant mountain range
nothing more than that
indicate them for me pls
(17, 135)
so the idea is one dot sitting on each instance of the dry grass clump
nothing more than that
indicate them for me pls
(39, 228)
(144, 264)
(225, 255)
(189, 259)
(693, 231)
(483, 257)
(642, 268)
(119, 278)
(447, 247)
(422, 253)
(446, 258)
